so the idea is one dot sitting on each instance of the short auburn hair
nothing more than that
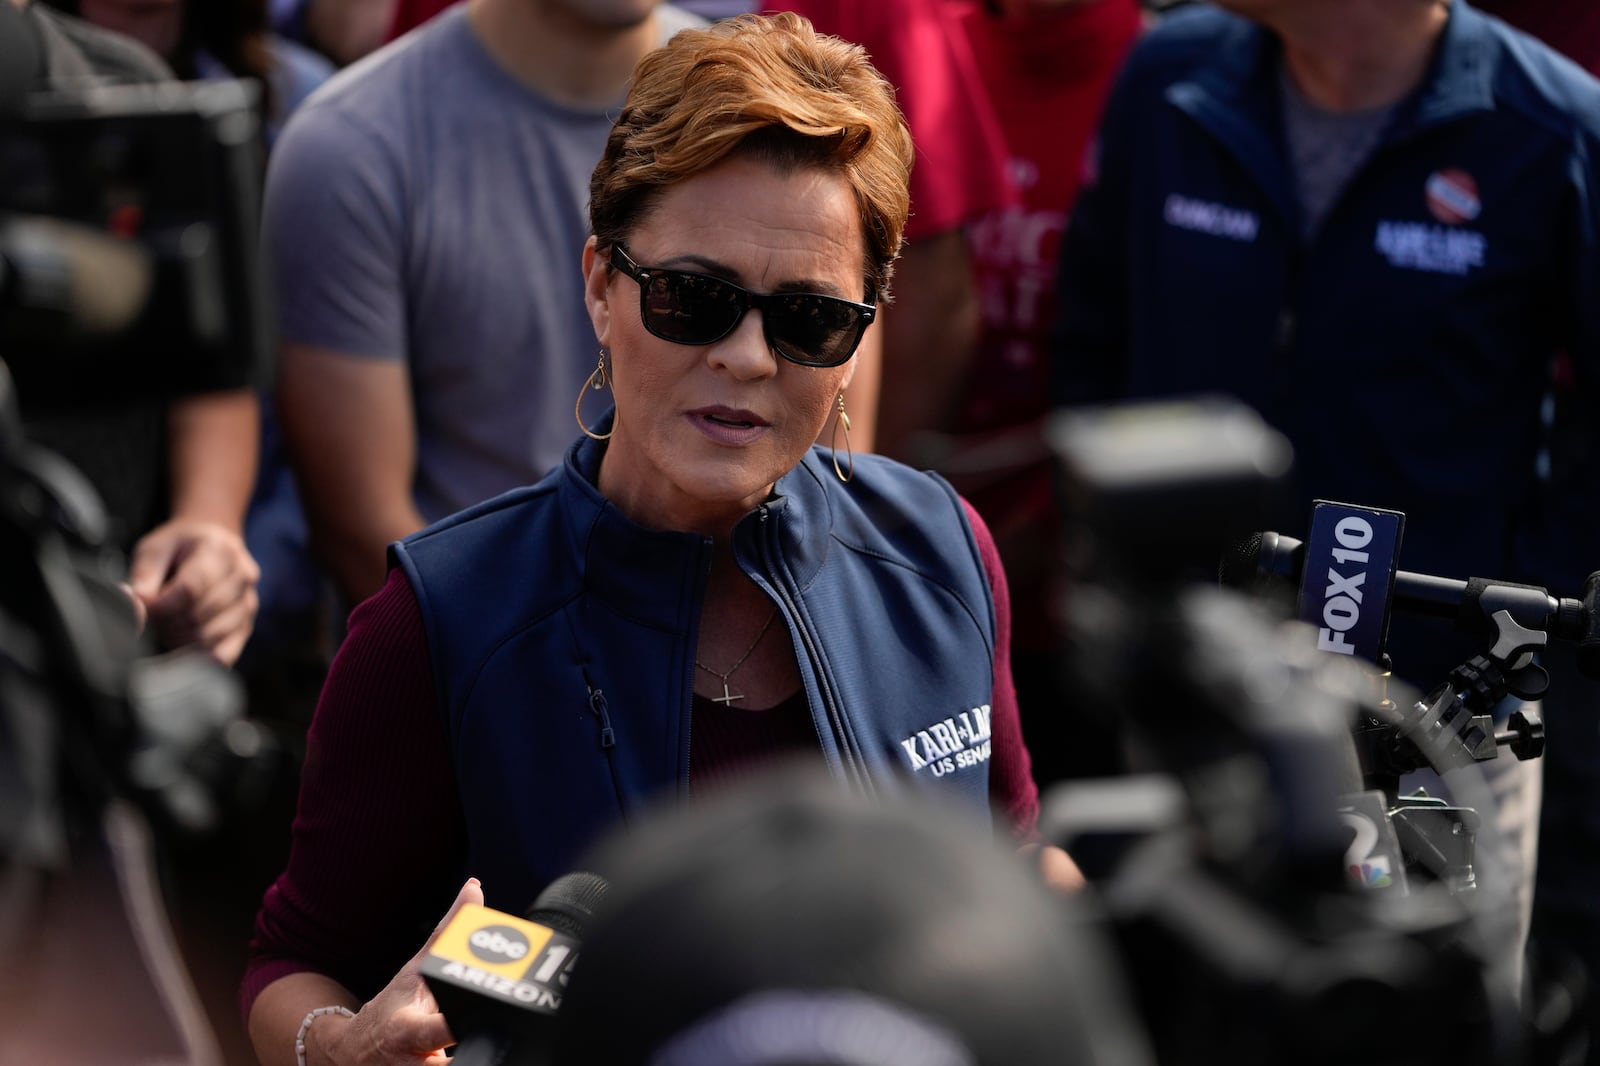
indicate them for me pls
(767, 87)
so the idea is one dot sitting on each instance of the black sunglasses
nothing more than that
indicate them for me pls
(688, 308)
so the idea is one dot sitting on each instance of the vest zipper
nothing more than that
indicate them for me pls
(608, 737)
(597, 707)
(830, 702)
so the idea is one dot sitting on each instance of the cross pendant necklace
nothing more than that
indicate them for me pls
(728, 695)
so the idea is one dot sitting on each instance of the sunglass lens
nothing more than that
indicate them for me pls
(814, 329)
(691, 308)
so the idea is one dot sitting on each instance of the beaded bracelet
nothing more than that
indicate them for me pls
(305, 1027)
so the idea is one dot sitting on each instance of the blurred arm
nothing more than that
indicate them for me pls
(214, 440)
(352, 436)
(335, 227)
(193, 573)
(930, 333)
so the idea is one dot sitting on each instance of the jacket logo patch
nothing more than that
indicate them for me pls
(957, 743)
(1432, 249)
(1453, 197)
(1216, 220)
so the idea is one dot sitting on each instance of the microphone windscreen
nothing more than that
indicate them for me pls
(1238, 566)
(568, 902)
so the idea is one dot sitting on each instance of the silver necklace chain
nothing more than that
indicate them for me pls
(728, 695)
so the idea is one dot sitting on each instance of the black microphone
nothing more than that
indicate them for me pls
(568, 903)
(1265, 559)
(21, 58)
(500, 979)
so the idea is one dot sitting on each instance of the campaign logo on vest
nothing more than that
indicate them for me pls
(952, 744)
(1452, 197)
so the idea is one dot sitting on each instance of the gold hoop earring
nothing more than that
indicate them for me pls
(596, 380)
(833, 442)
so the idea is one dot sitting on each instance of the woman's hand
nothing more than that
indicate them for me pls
(401, 1024)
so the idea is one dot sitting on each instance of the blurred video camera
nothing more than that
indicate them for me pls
(129, 273)
(129, 260)
(1274, 894)
(129, 277)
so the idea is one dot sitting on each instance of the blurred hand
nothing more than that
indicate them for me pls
(1056, 868)
(140, 615)
(197, 584)
(401, 1024)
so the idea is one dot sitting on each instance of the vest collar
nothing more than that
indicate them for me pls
(623, 562)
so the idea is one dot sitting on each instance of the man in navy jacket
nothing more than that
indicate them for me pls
(1378, 222)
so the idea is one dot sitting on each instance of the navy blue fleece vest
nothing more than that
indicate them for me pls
(562, 637)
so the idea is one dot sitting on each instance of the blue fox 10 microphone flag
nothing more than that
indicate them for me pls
(1352, 555)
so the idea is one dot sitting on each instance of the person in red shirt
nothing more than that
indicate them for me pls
(930, 333)
(1571, 27)
(1046, 66)
(409, 14)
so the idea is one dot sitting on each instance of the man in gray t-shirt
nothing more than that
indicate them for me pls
(425, 217)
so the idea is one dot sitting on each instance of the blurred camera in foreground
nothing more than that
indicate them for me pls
(789, 922)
